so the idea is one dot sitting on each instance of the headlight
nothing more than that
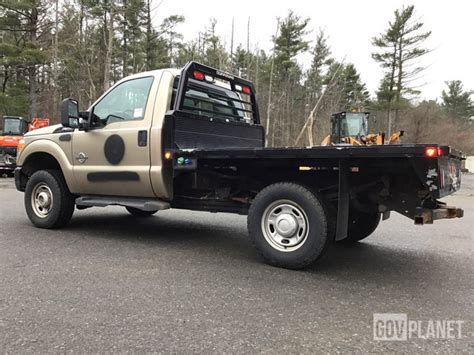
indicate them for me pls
(21, 145)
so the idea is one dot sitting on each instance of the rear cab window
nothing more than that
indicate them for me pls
(216, 98)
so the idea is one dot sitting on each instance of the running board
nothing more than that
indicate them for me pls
(144, 204)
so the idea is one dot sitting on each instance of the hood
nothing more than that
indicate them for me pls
(44, 130)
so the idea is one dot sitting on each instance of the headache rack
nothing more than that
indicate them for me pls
(210, 92)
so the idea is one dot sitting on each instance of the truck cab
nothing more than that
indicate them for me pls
(122, 140)
(192, 139)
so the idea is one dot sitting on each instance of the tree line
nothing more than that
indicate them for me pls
(50, 50)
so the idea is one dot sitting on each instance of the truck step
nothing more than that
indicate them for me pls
(144, 204)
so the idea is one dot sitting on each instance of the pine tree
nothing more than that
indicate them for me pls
(26, 29)
(188, 51)
(171, 37)
(215, 54)
(456, 101)
(320, 62)
(290, 42)
(132, 18)
(355, 94)
(398, 48)
(240, 61)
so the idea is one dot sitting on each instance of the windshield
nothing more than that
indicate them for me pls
(12, 126)
(354, 124)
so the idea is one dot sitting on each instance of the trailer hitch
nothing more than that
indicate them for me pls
(427, 216)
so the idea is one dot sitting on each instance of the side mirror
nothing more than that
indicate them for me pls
(70, 113)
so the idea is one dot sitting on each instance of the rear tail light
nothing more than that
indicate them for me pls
(244, 89)
(433, 152)
(198, 75)
(201, 76)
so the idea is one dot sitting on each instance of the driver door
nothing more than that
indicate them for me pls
(113, 156)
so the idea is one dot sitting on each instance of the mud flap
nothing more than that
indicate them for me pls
(343, 201)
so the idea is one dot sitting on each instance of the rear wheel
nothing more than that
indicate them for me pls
(287, 225)
(139, 213)
(361, 225)
(48, 202)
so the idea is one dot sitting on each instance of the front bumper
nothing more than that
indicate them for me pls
(7, 163)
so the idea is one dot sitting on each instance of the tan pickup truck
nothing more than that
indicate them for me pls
(192, 139)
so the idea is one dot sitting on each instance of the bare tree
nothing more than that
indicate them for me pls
(269, 104)
(310, 120)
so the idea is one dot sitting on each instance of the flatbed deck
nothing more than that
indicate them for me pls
(350, 151)
(394, 166)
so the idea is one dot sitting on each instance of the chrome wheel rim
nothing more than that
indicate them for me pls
(42, 200)
(285, 225)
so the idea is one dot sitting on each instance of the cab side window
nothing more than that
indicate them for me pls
(126, 102)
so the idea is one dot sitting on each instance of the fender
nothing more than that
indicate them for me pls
(42, 145)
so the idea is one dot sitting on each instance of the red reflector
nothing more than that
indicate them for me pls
(246, 90)
(440, 152)
(198, 75)
(431, 152)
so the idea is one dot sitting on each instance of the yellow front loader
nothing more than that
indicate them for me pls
(353, 128)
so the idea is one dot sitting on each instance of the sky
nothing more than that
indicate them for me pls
(350, 25)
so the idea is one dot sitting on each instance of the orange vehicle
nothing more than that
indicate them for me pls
(12, 129)
(353, 128)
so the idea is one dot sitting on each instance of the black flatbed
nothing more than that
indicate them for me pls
(217, 161)
(319, 152)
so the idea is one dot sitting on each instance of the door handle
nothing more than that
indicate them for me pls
(142, 138)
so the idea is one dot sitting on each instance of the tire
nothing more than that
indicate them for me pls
(139, 213)
(48, 201)
(301, 220)
(361, 225)
(331, 218)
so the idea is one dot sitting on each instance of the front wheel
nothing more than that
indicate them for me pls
(288, 226)
(48, 202)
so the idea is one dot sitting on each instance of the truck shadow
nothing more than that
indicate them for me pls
(154, 229)
(364, 258)
(207, 236)
(213, 237)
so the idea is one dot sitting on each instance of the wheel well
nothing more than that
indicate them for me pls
(39, 161)
(35, 162)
